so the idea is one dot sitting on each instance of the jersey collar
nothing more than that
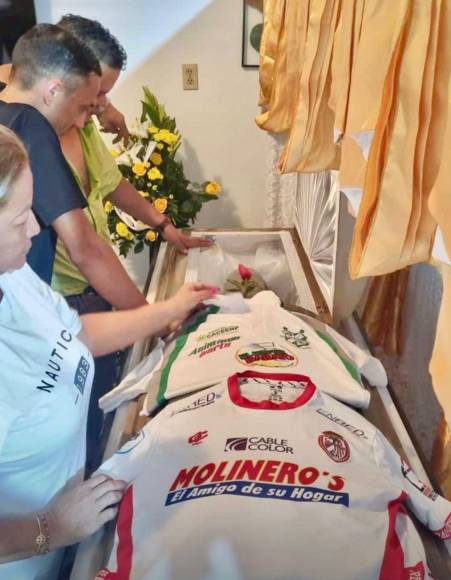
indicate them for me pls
(238, 399)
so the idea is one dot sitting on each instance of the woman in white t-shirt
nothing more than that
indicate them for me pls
(46, 373)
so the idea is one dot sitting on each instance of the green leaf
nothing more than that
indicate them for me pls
(138, 247)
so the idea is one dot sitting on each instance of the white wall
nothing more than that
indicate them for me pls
(221, 140)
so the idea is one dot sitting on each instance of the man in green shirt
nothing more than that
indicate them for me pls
(100, 180)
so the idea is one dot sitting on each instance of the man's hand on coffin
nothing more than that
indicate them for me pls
(189, 297)
(80, 510)
(113, 121)
(183, 242)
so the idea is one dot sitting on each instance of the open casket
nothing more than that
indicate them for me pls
(306, 266)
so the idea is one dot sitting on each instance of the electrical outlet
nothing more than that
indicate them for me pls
(190, 78)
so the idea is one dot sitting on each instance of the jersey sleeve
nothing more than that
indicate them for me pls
(433, 510)
(128, 461)
(55, 191)
(366, 364)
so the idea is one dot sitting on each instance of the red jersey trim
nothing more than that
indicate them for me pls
(445, 532)
(238, 399)
(393, 563)
(124, 552)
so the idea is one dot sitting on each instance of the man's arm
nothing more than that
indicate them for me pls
(126, 197)
(113, 121)
(96, 260)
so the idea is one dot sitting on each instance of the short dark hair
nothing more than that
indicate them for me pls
(103, 44)
(47, 49)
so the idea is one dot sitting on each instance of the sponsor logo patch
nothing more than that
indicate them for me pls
(329, 415)
(217, 332)
(415, 572)
(299, 338)
(202, 401)
(198, 437)
(257, 444)
(266, 354)
(335, 446)
(413, 480)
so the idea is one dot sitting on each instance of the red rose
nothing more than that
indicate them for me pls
(245, 273)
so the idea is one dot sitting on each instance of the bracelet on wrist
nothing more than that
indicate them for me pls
(42, 540)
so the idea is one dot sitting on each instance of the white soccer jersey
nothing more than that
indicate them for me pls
(265, 477)
(267, 337)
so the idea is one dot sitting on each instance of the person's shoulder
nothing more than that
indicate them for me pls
(25, 277)
(24, 118)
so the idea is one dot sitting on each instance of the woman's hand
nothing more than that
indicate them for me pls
(188, 297)
(80, 510)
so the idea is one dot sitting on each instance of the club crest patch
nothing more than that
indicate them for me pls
(299, 338)
(335, 446)
(265, 354)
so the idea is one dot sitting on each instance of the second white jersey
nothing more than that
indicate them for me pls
(265, 477)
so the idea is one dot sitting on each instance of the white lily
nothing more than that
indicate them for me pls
(139, 129)
(150, 150)
(131, 222)
(129, 157)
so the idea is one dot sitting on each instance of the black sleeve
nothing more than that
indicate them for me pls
(55, 191)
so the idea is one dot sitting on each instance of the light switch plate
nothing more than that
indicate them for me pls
(190, 77)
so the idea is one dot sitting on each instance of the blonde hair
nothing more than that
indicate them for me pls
(13, 160)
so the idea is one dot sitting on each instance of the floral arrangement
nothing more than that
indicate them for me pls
(149, 164)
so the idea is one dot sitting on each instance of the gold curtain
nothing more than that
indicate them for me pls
(364, 86)
(382, 316)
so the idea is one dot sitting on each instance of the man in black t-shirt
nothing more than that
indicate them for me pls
(53, 85)
(55, 190)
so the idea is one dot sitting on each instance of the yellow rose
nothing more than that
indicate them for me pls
(212, 188)
(154, 173)
(160, 146)
(114, 152)
(160, 204)
(130, 236)
(143, 193)
(156, 158)
(151, 236)
(152, 129)
(166, 136)
(139, 169)
(108, 206)
(122, 230)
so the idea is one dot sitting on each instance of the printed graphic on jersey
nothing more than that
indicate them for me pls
(202, 401)
(213, 346)
(445, 532)
(299, 338)
(335, 446)
(132, 443)
(265, 479)
(217, 332)
(335, 419)
(265, 354)
(257, 444)
(413, 480)
(81, 374)
(197, 438)
(415, 572)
